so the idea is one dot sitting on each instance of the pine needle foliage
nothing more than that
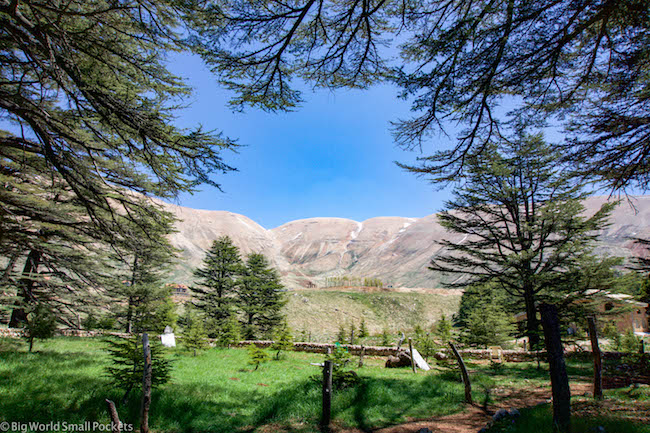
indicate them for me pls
(523, 227)
(257, 356)
(87, 105)
(127, 363)
(41, 324)
(283, 341)
(194, 336)
(217, 282)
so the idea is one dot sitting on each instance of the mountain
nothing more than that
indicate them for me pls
(395, 249)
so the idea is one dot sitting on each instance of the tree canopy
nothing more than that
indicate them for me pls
(585, 63)
(87, 106)
(521, 218)
(217, 282)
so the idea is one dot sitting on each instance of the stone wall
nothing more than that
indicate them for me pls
(354, 349)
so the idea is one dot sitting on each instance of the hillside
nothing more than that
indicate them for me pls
(394, 249)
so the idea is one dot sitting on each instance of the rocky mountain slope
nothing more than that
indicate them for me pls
(394, 249)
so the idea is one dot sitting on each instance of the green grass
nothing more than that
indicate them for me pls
(217, 391)
(540, 420)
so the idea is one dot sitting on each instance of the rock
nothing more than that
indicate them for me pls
(600, 429)
(403, 359)
(440, 356)
(424, 430)
(501, 413)
(514, 413)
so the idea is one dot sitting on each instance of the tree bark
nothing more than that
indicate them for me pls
(327, 396)
(532, 324)
(129, 316)
(411, 353)
(146, 385)
(18, 314)
(463, 371)
(557, 369)
(115, 420)
(598, 366)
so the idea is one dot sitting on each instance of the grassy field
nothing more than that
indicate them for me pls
(218, 391)
(322, 311)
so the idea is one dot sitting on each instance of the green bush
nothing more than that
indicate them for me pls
(257, 356)
(127, 361)
(283, 341)
(41, 324)
(342, 376)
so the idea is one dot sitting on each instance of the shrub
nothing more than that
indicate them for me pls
(41, 323)
(629, 342)
(195, 338)
(257, 356)
(342, 376)
(128, 363)
(283, 341)
(230, 333)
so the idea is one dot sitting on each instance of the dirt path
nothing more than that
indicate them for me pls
(475, 417)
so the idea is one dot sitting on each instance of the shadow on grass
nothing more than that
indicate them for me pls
(540, 420)
(52, 386)
(521, 371)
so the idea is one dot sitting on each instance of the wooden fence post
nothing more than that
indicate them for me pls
(363, 349)
(115, 420)
(327, 396)
(557, 368)
(598, 366)
(146, 385)
(463, 371)
(411, 353)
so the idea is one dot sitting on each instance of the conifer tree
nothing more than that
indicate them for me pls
(41, 323)
(87, 105)
(582, 64)
(521, 220)
(443, 329)
(489, 325)
(145, 256)
(128, 363)
(257, 356)
(260, 298)
(341, 334)
(282, 340)
(216, 283)
(230, 333)
(363, 330)
(194, 336)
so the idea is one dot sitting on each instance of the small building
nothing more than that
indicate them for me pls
(179, 290)
(633, 314)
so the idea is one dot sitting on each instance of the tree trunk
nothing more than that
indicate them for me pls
(532, 324)
(411, 353)
(115, 419)
(463, 371)
(598, 365)
(129, 316)
(146, 385)
(326, 415)
(18, 314)
(557, 369)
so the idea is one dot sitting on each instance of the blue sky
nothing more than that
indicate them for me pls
(332, 157)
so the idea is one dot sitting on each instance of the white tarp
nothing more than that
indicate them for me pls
(167, 338)
(419, 361)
